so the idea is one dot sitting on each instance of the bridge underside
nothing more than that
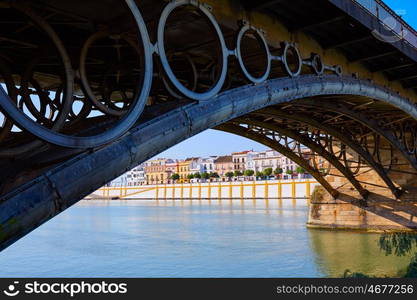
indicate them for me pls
(86, 97)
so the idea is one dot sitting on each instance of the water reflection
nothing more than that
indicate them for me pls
(401, 243)
(197, 238)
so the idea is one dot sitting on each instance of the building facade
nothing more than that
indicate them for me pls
(267, 159)
(239, 160)
(155, 171)
(160, 170)
(250, 163)
(183, 170)
(224, 164)
(196, 165)
(171, 168)
(136, 176)
(208, 165)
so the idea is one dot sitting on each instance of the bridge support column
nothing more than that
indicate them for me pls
(382, 210)
(354, 214)
(348, 213)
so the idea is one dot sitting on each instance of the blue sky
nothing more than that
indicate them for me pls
(212, 142)
(408, 6)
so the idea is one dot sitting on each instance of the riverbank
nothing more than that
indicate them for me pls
(262, 189)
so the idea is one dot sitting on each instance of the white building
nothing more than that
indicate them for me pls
(267, 159)
(196, 165)
(171, 167)
(136, 176)
(250, 163)
(287, 164)
(239, 160)
(119, 181)
(208, 164)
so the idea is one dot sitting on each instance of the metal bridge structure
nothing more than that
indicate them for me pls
(90, 89)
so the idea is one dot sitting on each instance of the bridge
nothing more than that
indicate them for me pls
(91, 89)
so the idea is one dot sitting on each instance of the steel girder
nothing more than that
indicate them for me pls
(314, 146)
(365, 155)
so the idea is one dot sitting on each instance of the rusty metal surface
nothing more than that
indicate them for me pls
(116, 80)
(283, 149)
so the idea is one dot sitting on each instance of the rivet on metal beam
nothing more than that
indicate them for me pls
(209, 7)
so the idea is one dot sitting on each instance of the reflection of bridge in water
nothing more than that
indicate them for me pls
(88, 97)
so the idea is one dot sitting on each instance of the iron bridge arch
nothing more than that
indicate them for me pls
(288, 103)
(252, 105)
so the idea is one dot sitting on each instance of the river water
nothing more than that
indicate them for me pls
(193, 239)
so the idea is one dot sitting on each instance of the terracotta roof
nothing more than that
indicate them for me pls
(191, 158)
(241, 152)
(224, 159)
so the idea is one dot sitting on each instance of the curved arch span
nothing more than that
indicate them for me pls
(372, 124)
(347, 141)
(316, 147)
(51, 192)
(241, 131)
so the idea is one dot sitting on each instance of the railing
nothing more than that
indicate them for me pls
(390, 20)
(273, 189)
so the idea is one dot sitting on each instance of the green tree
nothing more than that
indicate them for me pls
(268, 172)
(300, 170)
(237, 173)
(399, 244)
(197, 175)
(260, 174)
(289, 172)
(412, 268)
(249, 172)
(229, 175)
(214, 175)
(190, 176)
(175, 176)
(205, 175)
(278, 171)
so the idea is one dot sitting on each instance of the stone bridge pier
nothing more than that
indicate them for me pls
(380, 210)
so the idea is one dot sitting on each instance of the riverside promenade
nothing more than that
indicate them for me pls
(261, 189)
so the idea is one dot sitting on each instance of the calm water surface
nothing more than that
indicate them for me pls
(192, 239)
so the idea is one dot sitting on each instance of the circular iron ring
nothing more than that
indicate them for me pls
(261, 39)
(83, 73)
(292, 48)
(120, 128)
(164, 60)
(317, 64)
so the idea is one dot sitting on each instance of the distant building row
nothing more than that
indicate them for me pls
(161, 170)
